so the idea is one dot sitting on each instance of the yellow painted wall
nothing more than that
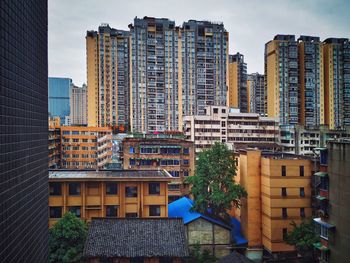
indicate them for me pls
(233, 84)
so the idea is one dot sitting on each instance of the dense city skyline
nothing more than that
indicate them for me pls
(250, 25)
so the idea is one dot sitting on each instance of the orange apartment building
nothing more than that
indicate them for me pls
(279, 191)
(108, 193)
(169, 152)
(85, 147)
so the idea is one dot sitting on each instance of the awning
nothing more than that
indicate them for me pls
(320, 222)
(321, 197)
(320, 246)
(321, 174)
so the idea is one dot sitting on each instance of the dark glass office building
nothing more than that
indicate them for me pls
(59, 103)
(23, 131)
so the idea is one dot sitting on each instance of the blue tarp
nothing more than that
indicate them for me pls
(181, 208)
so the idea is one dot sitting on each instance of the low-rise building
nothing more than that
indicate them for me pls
(85, 147)
(279, 192)
(228, 125)
(136, 240)
(109, 193)
(297, 139)
(169, 152)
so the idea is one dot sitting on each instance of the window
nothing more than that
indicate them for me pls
(131, 191)
(284, 191)
(75, 132)
(324, 232)
(324, 256)
(154, 188)
(55, 189)
(223, 124)
(130, 215)
(302, 192)
(132, 161)
(55, 212)
(283, 168)
(111, 188)
(111, 211)
(66, 132)
(223, 110)
(132, 149)
(284, 233)
(284, 213)
(216, 110)
(186, 162)
(154, 210)
(186, 151)
(301, 169)
(75, 210)
(175, 173)
(173, 187)
(302, 212)
(74, 188)
(186, 173)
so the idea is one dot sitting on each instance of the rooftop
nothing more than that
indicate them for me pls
(136, 237)
(109, 174)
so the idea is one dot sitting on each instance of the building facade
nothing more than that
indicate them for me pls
(281, 79)
(109, 193)
(108, 70)
(78, 105)
(279, 192)
(204, 54)
(175, 155)
(336, 53)
(237, 88)
(54, 143)
(23, 132)
(59, 100)
(156, 58)
(310, 79)
(257, 99)
(229, 126)
(85, 147)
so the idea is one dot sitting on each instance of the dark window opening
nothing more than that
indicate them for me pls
(301, 169)
(154, 210)
(284, 191)
(55, 189)
(56, 212)
(283, 170)
(111, 188)
(74, 188)
(131, 191)
(154, 188)
(111, 211)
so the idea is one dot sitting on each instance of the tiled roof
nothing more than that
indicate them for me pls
(108, 174)
(136, 237)
(235, 257)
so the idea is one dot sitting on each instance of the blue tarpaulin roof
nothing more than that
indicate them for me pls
(181, 208)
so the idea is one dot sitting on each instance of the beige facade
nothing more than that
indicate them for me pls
(279, 192)
(237, 130)
(78, 105)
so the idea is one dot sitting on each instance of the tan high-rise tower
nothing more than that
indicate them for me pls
(108, 63)
(78, 105)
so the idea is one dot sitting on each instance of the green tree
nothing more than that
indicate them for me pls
(66, 239)
(303, 237)
(213, 185)
(197, 256)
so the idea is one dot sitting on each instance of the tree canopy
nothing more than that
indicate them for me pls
(303, 237)
(213, 185)
(66, 239)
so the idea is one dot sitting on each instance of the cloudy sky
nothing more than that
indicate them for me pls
(251, 23)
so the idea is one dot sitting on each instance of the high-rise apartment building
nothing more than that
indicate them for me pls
(108, 70)
(23, 132)
(281, 78)
(310, 79)
(336, 53)
(257, 94)
(78, 105)
(156, 95)
(59, 97)
(237, 88)
(204, 53)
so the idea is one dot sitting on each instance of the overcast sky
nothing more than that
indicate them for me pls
(250, 23)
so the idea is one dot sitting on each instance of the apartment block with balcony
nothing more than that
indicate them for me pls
(237, 130)
(175, 155)
(109, 193)
(85, 147)
(336, 53)
(54, 143)
(257, 99)
(281, 79)
(279, 192)
(155, 88)
(204, 47)
(311, 89)
(238, 94)
(108, 70)
(78, 105)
